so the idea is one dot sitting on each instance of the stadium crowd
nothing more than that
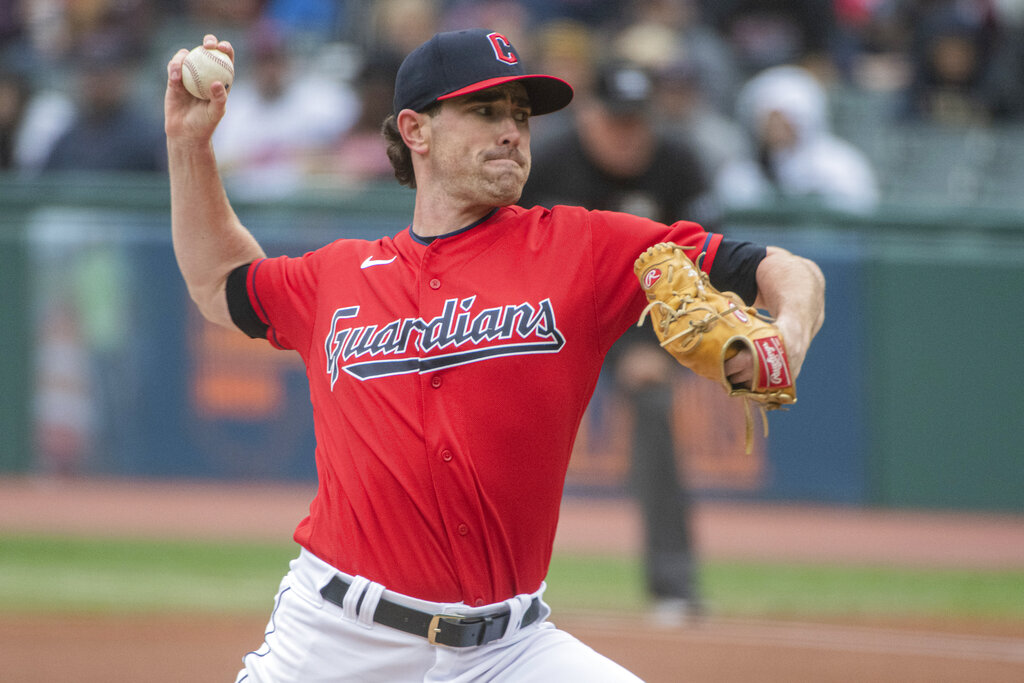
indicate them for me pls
(721, 104)
(81, 82)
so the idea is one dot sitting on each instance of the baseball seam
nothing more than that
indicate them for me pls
(195, 78)
(223, 63)
(216, 57)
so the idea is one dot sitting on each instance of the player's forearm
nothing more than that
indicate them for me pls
(792, 289)
(209, 240)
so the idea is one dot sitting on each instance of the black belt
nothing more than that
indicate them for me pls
(440, 629)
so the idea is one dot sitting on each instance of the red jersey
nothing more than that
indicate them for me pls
(448, 380)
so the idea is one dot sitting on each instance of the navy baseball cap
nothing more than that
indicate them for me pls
(462, 62)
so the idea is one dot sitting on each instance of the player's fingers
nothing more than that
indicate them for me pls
(740, 381)
(210, 42)
(174, 66)
(218, 101)
(739, 369)
(218, 93)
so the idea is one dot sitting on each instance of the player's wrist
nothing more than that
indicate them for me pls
(189, 148)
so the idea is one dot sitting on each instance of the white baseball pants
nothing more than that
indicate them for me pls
(310, 640)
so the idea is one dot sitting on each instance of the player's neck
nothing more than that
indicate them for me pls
(434, 217)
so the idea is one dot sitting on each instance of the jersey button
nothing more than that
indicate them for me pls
(463, 530)
(435, 284)
(479, 602)
(435, 381)
(446, 455)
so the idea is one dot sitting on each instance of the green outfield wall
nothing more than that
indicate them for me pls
(911, 396)
(940, 331)
(15, 343)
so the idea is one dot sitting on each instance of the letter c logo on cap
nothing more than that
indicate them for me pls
(503, 49)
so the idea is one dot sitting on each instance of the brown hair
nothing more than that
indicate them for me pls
(398, 152)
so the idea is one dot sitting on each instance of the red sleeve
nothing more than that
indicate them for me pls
(617, 240)
(282, 291)
(710, 251)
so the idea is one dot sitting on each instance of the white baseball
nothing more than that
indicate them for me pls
(202, 68)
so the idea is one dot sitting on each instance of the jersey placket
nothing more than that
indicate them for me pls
(450, 467)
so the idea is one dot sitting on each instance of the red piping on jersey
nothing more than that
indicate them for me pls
(260, 311)
(710, 250)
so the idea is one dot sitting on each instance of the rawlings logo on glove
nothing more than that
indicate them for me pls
(702, 328)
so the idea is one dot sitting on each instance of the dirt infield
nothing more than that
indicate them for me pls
(159, 648)
(172, 648)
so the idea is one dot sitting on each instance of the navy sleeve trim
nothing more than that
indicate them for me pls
(735, 268)
(240, 306)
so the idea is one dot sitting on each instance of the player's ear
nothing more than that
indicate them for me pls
(415, 130)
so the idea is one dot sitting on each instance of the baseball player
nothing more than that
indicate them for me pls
(449, 367)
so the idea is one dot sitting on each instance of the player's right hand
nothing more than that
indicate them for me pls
(187, 117)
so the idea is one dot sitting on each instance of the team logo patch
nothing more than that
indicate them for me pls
(461, 334)
(771, 355)
(651, 276)
(503, 49)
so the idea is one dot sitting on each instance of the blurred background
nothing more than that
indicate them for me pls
(883, 139)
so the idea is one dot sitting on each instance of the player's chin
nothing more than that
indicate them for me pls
(504, 199)
(506, 190)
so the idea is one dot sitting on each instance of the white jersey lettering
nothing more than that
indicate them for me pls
(414, 345)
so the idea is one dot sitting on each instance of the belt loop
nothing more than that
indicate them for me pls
(353, 597)
(368, 606)
(517, 608)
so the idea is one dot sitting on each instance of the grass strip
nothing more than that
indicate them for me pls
(56, 573)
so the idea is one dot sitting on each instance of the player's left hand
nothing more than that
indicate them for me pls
(740, 368)
(796, 340)
(714, 333)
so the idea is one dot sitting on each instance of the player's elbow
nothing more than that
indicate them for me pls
(817, 278)
(815, 286)
(212, 303)
(782, 273)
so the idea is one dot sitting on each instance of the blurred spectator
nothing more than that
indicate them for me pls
(109, 131)
(361, 154)
(277, 118)
(663, 32)
(47, 114)
(693, 80)
(320, 20)
(614, 159)
(507, 17)
(39, 33)
(766, 33)
(951, 51)
(128, 20)
(12, 26)
(566, 49)
(217, 12)
(596, 14)
(400, 26)
(14, 99)
(785, 111)
(1003, 86)
(686, 112)
(873, 44)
